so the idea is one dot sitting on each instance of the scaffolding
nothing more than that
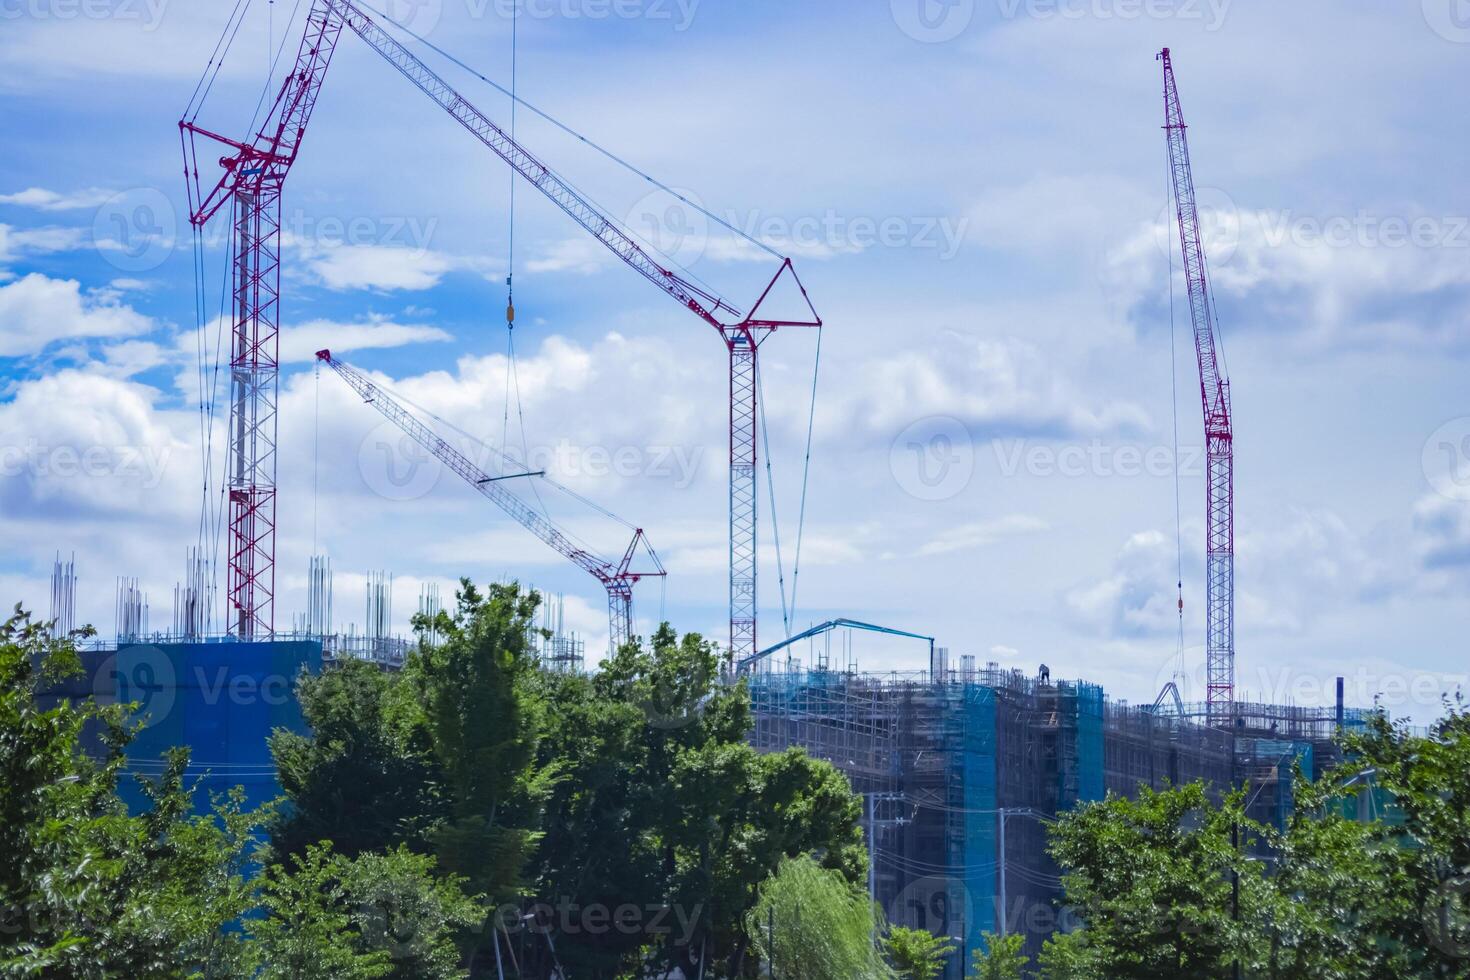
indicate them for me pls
(945, 756)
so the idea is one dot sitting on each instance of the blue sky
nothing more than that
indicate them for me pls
(973, 192)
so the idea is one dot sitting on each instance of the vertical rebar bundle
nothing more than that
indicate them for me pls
(561, 652)
(132, 611)
(63, 597)
(379, 623)
(430, 606)
(194, 599)
(319, 597)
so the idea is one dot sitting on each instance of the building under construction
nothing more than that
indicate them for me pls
(961, 767)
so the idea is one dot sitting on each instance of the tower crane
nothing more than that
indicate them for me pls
(254, 171)
(1219, 438)
(618, 579)
(742, 332)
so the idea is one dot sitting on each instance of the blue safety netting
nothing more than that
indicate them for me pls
(979, 859)
(220, 700)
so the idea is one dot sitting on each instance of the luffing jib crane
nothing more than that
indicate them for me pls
(618, 579)
(1219, 441)
(742, 333)
(254, 172)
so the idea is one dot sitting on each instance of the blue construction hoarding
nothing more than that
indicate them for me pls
(221, 700)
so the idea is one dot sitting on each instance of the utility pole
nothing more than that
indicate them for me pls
(873, 799)
(1003, 814)
(1004, 908)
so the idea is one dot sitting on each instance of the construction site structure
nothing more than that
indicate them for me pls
(963, 766)
(254, 172)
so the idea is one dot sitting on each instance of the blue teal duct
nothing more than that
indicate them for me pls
(827, 627)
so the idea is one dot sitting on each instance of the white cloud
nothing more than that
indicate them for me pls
(300, 343)
(1288, 577)
(82, 443)
(999, 387)
(581, 255)
(1359, 279)
(1442, 533)
(36, 310)
(978, 534)
(1136, 598)
(17, 242)
(46, 200)
(378, 267)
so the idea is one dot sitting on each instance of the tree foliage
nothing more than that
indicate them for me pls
(92, 891)
(1000, 958)
(630, 792)
(1368, 880)
(916, 954)
(813, 923)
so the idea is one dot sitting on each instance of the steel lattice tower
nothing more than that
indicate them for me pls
(1219, 436)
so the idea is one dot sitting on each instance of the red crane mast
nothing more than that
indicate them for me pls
(254, 171)
(258, 168)
(1219, 438)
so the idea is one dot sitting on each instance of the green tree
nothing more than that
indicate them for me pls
(1065, 956)
(366, 778)
(811, 922)
(1320, 920)
(663, 805)
(376, 915)
(308, 932)
(1152, 881)
(88, 889)
(1001, 958)
(484, 724)
(917, 954)
(1418, 911)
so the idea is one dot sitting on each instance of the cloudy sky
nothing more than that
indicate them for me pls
(974, 192)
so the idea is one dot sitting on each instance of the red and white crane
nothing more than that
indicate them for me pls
(618, 579)
(1219, 438)
(247, 180)
(254, 171)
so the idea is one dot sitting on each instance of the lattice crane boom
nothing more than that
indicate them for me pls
(741, 332)
(618, 579)
(254, 171)
(1219, 434)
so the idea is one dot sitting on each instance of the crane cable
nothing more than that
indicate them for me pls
(1174, 405)
(788, 608)
(512, 367)
(211, 518)
(806, 468)
(760, 396)
(576, 135)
